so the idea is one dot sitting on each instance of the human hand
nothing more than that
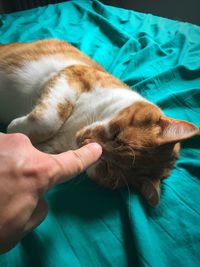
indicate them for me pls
(25, 175)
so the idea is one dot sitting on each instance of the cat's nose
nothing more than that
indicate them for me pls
(85, 142)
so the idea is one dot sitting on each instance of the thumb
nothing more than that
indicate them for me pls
(71, 163)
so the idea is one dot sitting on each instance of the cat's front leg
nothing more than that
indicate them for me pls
(39, 126)
(52, 109)
(19, 125)
(33, 128)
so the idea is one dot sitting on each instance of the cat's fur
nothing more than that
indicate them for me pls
(62, 100)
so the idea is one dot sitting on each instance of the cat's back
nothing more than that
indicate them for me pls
(53, 53)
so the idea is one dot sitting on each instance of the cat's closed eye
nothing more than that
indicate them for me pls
(114, 130)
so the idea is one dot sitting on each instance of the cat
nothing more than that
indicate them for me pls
(62, 99)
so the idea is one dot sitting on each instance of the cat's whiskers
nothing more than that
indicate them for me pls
(130, 149)
(133, 153)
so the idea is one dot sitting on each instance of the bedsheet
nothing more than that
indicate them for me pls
(89, 226)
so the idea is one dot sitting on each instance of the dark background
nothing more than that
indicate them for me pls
(184, 10)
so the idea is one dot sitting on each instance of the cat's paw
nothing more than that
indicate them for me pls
(25, 126)
(18, 125)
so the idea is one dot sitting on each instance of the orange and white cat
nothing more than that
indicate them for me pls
(62, 99)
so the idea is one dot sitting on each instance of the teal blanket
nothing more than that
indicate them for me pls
(89, 226)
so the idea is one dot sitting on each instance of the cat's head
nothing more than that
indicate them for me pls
(140, 146)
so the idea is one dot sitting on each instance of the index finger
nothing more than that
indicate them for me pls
(69, 164)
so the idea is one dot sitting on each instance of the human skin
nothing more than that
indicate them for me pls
(25, 175)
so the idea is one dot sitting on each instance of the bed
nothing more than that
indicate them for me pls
(90, 226)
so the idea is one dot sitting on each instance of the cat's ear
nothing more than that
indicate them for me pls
(175, 130)
(150, 190)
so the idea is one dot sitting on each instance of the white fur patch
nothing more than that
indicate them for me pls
(93, 108)
(35, 73)
(104, 104)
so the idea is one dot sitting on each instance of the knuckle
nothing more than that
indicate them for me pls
(41, 184)
(30, 201)
(34, 181)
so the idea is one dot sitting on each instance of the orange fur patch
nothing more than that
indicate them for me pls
(16, 54)
(64, 109)
(84, 78)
